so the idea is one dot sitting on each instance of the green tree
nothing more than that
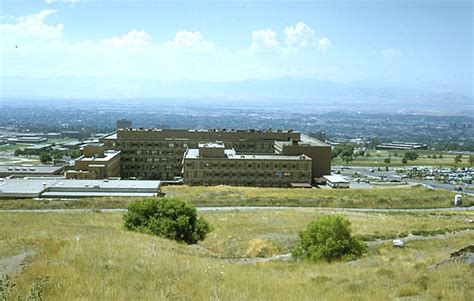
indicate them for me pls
(18, 152)
(457, 159)
(45, 157)
(167, 217)
(75, 154)
(411, 155)
(328, 238)
(404, 160)
(386, 160)
(471, 159)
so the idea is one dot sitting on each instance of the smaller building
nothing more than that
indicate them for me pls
(30, 171)
(401, 145)
(37, 149)
(212, 164)
(336, 181)
(63, 188)
(95, 163)
(27, 139)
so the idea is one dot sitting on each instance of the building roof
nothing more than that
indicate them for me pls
(36, 169)
(48, 187)
(193, 153)
(108, 155)
(336, 179)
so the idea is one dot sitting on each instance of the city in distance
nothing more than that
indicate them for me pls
(241, 150)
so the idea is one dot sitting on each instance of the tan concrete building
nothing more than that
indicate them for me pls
(212, 164)
(318, 151)
(158, 153)
(96, 162)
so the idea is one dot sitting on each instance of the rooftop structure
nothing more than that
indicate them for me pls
(64, 188)
(96, 163)
(401, 145)
(337, 181)
(31, 170)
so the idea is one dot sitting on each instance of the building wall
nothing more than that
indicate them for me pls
(92, 169)
(158, 154)
(243, 172)
(320, 155)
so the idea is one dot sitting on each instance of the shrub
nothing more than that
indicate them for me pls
(167, 217)
(328, 238)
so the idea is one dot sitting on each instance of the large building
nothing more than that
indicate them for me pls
(96, 162)
(212, 164)
(158, 153)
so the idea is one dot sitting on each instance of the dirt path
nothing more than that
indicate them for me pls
(14, 264)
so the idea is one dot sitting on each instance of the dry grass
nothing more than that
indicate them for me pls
(108, 263)
(404, 197)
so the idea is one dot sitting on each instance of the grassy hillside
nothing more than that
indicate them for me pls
(403, 197)
(90, 256)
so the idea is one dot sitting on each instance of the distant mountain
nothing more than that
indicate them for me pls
(363, 95)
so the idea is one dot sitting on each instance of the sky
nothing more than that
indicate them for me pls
(410, 43)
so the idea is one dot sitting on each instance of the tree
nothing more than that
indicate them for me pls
(457, 159)
(386, 160)
(328, 238)
(471, 159)
(404, 160)
(45, 157)
(411, 155)
(167, 217)
(18, 152)
(75, 154)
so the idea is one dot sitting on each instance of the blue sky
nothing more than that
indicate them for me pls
(410, 43)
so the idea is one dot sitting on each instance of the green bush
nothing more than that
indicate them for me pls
(328, 238)
(167, 217)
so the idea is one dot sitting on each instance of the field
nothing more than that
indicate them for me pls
(376, 159)
(403, 197)
(88, 255)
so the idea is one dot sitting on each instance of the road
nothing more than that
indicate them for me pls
(257, 208)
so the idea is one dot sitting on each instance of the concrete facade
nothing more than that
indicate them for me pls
(158, 153)
(212, 164)
(96, 163)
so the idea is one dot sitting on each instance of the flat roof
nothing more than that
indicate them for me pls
(31, 169)
(304, 140)
(193, 153)
(48, 187)
(108, 155)
(336, 179)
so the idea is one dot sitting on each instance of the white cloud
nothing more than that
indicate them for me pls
(324, 44)
(263, 39)
(33, 26)
(190, 40)
(297, 37)
(131, 38)
(390, 52)
(300, 36)
(62, 1)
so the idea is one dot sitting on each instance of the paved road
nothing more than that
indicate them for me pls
(258, 208)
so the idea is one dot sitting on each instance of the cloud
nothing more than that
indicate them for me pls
(33, 26)
(300, 36)
(297, 37)
(324, 44)
(62, 1)
(263, 39)
(132, 38)
(390, 52)
(190, 40)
